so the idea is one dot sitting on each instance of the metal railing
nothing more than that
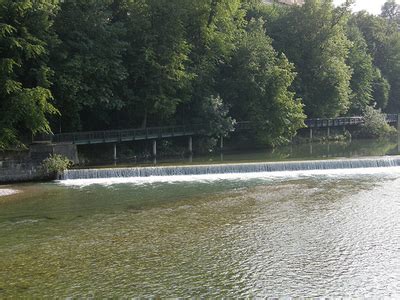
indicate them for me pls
(334, 122)
(123, 135)
(392, 118)
(105, 136)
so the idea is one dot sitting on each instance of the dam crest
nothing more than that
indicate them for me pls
(333, 164)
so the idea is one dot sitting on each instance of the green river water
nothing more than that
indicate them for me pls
(313, 233)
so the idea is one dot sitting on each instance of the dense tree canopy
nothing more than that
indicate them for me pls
(26, 34)
(360, 62)
(257, 82)
(88, 64)
(104, 64)
(314, 38)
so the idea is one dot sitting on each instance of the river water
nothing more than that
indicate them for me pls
(321, 233)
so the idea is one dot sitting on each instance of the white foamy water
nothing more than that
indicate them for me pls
(387, 171)
(7, 192)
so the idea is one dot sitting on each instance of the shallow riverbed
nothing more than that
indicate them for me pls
(316, 233)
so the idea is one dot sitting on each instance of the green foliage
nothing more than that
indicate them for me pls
(391, 11)
(361, 83)
(216, 114)
(380, 89)
(25, 99)
(313, 38)
(55, 164)
(257, 83)
(88, 63)
(130, 63)
(375, 124)
(156, 60)
(383, 41)
(213, 30)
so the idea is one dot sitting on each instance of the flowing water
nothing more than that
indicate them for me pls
(311, 231)
(305, 233)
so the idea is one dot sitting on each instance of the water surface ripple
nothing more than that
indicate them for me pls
(313, 236)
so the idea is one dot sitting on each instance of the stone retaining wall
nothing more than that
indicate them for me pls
(16, 171)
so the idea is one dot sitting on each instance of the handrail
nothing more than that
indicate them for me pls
(123, 134)
(183, 130)
(331, 122)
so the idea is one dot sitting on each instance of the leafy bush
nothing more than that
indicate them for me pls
(375, 124)
(55, 164)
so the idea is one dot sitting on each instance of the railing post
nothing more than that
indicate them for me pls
(190, 145)
(154, 148)
(115, 151)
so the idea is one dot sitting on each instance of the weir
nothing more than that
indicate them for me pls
(370, 162)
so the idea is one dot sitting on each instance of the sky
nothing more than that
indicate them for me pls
(372, 6)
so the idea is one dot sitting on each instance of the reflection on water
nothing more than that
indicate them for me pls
(317, 235)
(354, 148)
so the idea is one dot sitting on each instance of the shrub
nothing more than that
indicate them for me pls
(375, 124)
(55, 164)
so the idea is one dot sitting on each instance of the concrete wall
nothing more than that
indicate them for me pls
(38, 152)
(20, 168)
(16, 171)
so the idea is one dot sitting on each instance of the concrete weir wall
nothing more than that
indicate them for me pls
(29, 168)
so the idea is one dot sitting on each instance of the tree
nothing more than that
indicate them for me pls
(25, 98)
(156, 60)
(213, 29)
(360, 62)
(383, 41)
(313, 38)
(375, 124)
(257, 83)
(391, 11)
(380, 89)
(88, 64)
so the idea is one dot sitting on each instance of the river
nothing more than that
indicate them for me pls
(317, 233)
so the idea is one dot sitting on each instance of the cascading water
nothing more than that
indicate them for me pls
(374, 162)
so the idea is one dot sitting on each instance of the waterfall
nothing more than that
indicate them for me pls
(371, 162)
